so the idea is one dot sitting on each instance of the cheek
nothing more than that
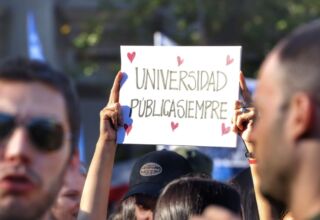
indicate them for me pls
(271, 148)
(264, 136)
(51, 166)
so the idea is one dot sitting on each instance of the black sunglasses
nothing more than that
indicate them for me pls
(46, 134)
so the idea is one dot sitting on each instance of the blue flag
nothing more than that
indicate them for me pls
(34, 44)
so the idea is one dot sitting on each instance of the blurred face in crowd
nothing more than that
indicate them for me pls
(144, 207)
(270, 132)
(143, 213)
(67, 204)
(34, 148)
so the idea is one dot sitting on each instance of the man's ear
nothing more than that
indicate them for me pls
(300, 115)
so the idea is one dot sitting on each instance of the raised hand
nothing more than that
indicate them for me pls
(110, 116)
(244, 113)
(94, 200)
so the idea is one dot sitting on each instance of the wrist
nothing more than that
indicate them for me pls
(252, 161)
(249, 145)
(106, 143)
(107, 137)
(251, 157)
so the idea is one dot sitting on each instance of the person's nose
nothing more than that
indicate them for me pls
(18, 146)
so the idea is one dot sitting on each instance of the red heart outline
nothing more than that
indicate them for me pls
(174, 125)
(180, 60)
(127, 128)
(225, 129)
(229, 60)
(131, 56)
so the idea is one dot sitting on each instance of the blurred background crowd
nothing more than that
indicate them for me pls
(83, 38)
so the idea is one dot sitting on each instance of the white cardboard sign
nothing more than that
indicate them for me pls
(179, 95)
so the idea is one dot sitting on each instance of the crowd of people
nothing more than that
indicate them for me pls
(40, 176)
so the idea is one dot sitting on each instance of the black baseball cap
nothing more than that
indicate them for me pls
(200, 162)
(155, 170)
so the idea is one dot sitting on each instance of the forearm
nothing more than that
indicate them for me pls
(94, 200)
(264, 208)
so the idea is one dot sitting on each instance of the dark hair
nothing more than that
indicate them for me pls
(299, 58)
(126, 209)
(188, 196)
(25, 70)
(243, 183)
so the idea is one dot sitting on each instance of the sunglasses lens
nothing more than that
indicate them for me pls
(7, 123)
(46, 134)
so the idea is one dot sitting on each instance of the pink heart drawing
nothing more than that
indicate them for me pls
(131, 56)
(180, 60)
(174, 125)
(127, 128)
(229, 60)
(224, 129)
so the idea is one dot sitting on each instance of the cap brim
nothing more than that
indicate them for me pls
(149, 189)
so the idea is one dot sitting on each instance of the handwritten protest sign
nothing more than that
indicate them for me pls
(179, 95)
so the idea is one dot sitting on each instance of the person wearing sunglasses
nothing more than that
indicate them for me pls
(39, 129)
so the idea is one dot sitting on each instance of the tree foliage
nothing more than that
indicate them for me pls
(256, 25)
